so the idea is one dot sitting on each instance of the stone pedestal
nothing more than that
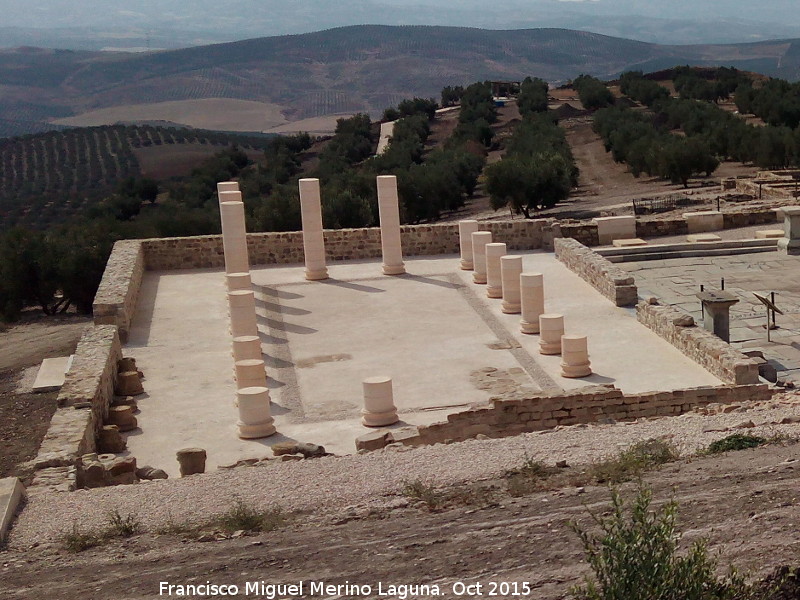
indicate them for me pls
(615, 228)
(250, 373)
(192, 461)
(313, 239)
(129, 383)
(379, 409)
(389, 212)
(242, 306)
(716, 312)
(704, 221)
(790, 243)
(238, 281)
(234, 237)
(255, 418)
(532, 300)
(494, 280)
(246, 347)
(575, 356)
(510, 271)
(465, 231)
(551, 329)
(480, 239)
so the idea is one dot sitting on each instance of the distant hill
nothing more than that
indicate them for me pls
(344, 70)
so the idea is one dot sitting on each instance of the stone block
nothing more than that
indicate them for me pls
(629, 243)
(129, 383)
(408, 436)
(615, 228)
(110, 440)
(699, 222)
(703, 237)
(192, 461)
(768, 234)
(374, 440)
(12, 493)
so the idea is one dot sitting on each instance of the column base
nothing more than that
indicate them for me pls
(550, 347)
(494, 292)
(316, 275)
(250, 431)
(467, 265)
(573, 371)
(791, 247)
(529, 328)
(369, 419)
(511, 308)
(479, 278)
(394, 269)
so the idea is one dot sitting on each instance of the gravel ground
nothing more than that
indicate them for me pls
(327, 486)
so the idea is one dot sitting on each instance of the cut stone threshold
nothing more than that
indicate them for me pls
(52, 373)
(688, 250)
(12, 493)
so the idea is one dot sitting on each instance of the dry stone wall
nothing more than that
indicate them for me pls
(607, 278)
(116, 297)
(82, 407)
(703, 347)
(509, 416)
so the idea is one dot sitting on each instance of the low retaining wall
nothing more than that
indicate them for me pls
(82, 408)
(607, 278)
(116, 297)
(340, 244)
(703, 347)
(513, 416)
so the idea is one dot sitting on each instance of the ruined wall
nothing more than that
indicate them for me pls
(115, 301)
(703, 347)
(82, 407)
(607, 278)
(512, 416)
(340, 244)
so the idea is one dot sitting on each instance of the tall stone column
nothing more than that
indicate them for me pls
(494, 281)
(551, 328)
(465, 231)
(510, 272)
(313, 239)
(480, 239)
(242, 305)
(227, 186)
(532, 296)
(255, 417)
(234, 237)
(379, 409)
(389, 213)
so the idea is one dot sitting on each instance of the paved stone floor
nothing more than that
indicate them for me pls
(676, 281)
(444, 343)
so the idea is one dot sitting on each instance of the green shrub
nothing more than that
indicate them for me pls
(633, 461)
(78, 541)
(635, 556)
(119, 526)
(419, 490)
(243, 517)
(737, 441)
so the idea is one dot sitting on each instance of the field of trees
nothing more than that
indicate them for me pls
(50, 177)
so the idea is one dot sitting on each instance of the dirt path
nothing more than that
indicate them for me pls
(744, 502)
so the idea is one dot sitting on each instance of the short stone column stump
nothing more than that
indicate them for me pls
(532, 301)
(575, 356)
(255, 418)
(551, 329)
(379, 409)
(242, 306)
(494, 280)
(250, 373)
(192, 461)
(465, 231)
(510, 271)
(479, 241)
(246, 347)
(129, 383)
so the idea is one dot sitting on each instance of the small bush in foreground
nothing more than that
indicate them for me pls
(737, 441)
(529, 477)
(242, 517)
(635, 557)
(78, 541)
(119, 526)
